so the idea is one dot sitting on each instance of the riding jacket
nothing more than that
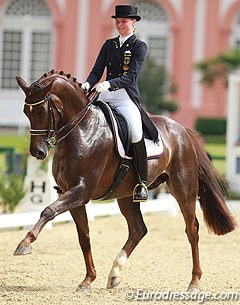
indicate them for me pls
(123, 68)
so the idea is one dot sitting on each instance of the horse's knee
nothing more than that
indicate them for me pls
(48, 213)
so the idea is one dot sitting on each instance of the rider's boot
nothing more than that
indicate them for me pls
(140, 192)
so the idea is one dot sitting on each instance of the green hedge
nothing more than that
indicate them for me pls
(211, 126)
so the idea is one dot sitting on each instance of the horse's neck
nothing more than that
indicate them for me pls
(99, 122)
(72, 97)
(95, 130)
(91, 129)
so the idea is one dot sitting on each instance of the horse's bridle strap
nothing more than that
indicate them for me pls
(34, 104)
(51, 132)
(39, 132)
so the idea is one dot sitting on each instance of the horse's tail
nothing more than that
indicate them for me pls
(212, 186)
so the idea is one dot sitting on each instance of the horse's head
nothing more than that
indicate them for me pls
(54, 105)
(38, 107)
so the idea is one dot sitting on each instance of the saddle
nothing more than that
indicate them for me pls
(118, 125)
(121, 135)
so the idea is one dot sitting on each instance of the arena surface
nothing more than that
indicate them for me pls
(160, 263)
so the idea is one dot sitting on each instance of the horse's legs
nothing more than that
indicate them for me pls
(67, 201)
(192, 228)
(187, 203)
(80, 218)
(137, 230)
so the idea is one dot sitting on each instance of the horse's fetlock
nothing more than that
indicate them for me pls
(91, 276)
(197, 273)
(31, 237)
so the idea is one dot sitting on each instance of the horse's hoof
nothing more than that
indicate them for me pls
(113, 282)
(23, 250)
(194, 288)
(83, 288)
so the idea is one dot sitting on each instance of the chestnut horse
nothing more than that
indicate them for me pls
(85, 163)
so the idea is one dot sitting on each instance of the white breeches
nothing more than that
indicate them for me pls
(122, 102)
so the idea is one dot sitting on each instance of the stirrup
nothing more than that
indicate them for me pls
(140, 193)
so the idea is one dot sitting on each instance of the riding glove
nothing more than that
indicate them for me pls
(86, 86)
(104, 86)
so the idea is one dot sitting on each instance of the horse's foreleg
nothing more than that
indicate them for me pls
(67, 201)
(137, 230)
(80, 218)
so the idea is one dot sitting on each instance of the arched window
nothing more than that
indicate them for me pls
(154, 29)
(235, 32)
(26, 40)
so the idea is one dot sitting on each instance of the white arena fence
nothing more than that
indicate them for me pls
(164, 204)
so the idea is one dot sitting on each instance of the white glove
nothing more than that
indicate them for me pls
(101, 87)
(86, 86)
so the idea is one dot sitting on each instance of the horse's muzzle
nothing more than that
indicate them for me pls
(40, 152)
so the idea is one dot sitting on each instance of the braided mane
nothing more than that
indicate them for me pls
(68, 77)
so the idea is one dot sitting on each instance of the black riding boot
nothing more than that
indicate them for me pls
(140, 192)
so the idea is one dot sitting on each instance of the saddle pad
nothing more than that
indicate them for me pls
(154, 150)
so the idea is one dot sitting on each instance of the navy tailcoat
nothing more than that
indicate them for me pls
(123, 69)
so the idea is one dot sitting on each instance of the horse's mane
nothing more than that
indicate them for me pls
(53, 73)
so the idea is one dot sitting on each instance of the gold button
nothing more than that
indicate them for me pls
(119, 74)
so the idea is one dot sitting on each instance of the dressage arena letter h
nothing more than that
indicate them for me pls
(37, 198)
(34, 186)
(39, 184)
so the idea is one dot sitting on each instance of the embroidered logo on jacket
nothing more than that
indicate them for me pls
(126, 60)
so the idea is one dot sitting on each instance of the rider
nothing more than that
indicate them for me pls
(124, 57)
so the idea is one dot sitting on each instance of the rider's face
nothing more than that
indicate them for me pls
(125, 26)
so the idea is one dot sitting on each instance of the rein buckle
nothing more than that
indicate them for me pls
(52, 141)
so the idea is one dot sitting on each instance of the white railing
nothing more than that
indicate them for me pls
(165, 204)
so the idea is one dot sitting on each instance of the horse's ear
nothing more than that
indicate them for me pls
(22, 84)
(46, 89)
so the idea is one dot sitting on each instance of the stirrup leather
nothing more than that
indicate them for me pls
(140, 193)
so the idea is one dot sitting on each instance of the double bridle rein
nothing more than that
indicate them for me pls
(52, 132)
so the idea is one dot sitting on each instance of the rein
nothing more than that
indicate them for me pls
(51, 132)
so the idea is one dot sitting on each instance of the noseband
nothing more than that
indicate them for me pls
(52, 132)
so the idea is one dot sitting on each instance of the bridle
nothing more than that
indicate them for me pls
(52, 132)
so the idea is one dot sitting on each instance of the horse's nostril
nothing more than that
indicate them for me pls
(41, 154)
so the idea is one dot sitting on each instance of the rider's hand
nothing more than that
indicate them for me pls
(86, 86)
(101, 87)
